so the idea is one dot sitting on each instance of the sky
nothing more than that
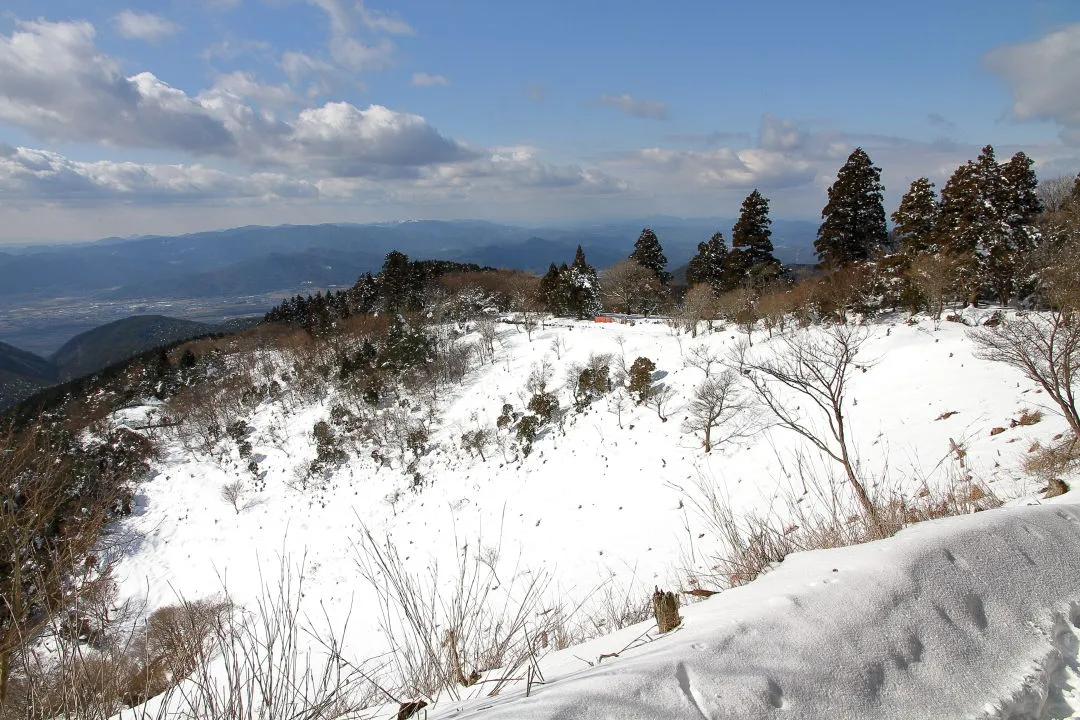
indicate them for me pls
(126, 118)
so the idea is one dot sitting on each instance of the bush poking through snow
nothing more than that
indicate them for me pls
(640, 379)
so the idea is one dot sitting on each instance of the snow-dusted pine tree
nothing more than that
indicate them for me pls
(708, 265)
(648, 253)
(583, 287)
(915, 218)
(987, 221)
(751, 258)
(853, 221)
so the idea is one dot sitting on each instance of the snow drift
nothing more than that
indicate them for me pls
(974, 616)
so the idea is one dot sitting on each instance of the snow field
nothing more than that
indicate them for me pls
(594, 506)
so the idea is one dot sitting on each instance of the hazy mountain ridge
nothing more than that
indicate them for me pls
(237, 260)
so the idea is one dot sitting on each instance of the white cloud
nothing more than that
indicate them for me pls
(347, 19)
(358, 56)
(629, 105)
(518, 167)
(342, 140)
(298, 65)
(244, 85)
(723, 168)
(379, 21)
(136, 25)
(57, 85)
(780, 134)
(1044, 77)
(422, 79)
(29, 174)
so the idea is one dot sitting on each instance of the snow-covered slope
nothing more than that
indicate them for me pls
(974, 616)
(604, 502)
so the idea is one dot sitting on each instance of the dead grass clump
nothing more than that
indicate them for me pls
(1027, 417)
(1050, 463)
(752, 544)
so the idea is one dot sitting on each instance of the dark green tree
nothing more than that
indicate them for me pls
(751, 259)
(853, 221)
(583, 287)
(708, 265)
(553, 291)
(915, 218)
(648, 253)
(396, 282)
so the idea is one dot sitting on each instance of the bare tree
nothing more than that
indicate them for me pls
(1055, 192)
(231, 492)
(739, 306)
(817, 367)
(628, 287)
(658, 399)
(618, 403)
(718, 405)
(934, 276)
(485, 326)
(1045, 347)
(702, 356)
(698, 304)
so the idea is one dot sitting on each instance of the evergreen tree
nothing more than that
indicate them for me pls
(853, 220)
(708, 265)
(553, 291)
(914, 219)
(987, 222)
(1023, 205)
(648, 253)
(751, 258)
(959, 225)
(395, 281)
(583, 287)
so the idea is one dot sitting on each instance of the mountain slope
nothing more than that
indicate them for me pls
(22, 374)
(601, 506)
(98, 348)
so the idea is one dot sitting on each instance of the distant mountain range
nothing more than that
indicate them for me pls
(23, 373)
(292, 258)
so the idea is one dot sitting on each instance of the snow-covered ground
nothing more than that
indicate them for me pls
(974, 616)
(966, 617)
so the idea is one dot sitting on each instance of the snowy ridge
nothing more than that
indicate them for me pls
(974, 616)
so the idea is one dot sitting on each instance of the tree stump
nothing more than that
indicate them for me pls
(666, 609)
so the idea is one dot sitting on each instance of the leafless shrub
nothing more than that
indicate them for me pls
(628, 287)
(749, 545)
(774, 306)
(56, 496)
(1045, 347)
(1053, 462)
(703, 356)
(448, 635)
(934, 276)
(699, 304)
(719, 411)
(816, 367)
(232, 492)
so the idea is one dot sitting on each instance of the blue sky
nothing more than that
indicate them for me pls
(121, 118)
